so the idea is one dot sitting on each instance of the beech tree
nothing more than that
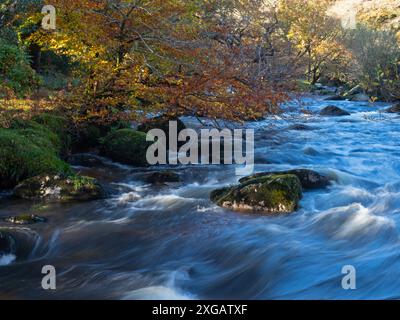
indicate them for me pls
(314, 34)
(168, 56)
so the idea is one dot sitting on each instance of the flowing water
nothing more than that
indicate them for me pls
(171, 242)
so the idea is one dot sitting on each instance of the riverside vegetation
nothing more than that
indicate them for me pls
(86, 95)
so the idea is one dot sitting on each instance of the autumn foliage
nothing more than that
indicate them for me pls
(169, 56)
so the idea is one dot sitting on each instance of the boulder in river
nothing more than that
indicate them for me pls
(309, 179)
(334, 111)
(394, 109)
(335, 98)
(360, 97)
(88, 160)
(16, 244)
(300, 127)
(57, 188)
(25, 219)
(126, 146)
(272, 194)
(161, 177)
(7, 243)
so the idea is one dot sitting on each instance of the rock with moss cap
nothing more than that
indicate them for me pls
(58, 125)
(309, 179)
(394, 109)
(58, 188)
(273, 194)
(126, 146)
(333, 111)
(25, 154)
(25, 219)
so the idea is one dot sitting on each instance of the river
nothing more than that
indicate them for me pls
(171, 242)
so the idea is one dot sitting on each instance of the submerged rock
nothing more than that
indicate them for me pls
(25, 219)
(334, 111)
(335, 98)
(75, 188)
(7, 243)
(300, 127)
(27, 152)
(311, 152)
(85, 160)
(360, 97)
(394, 109)
(272, 194)
(16, 244)
(309, 179)
(161, 177)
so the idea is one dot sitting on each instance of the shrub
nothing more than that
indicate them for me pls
(15, 71)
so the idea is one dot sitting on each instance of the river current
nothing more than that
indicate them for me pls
(171, 242)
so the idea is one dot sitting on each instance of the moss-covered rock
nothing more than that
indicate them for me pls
(7, 243)
(394, 109)
(57, 188)
(25, 154)
(58, 125)
(25, 219)
(161, 177)
(54, 123)
(309, 179)
(274, 194)
(126, 146)
(333, 111)
(90, 134)
(300, 127)
(38, 134)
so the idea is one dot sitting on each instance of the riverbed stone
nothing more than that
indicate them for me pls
(359, 97)
(335, 98)
(273, 194)
(300, 127)
(57, 188)
(88, 160)
(25, 219)
(161, 177)
(7, 243)
(126, 146)
(334, 111)
(394, 109)
(309, 179)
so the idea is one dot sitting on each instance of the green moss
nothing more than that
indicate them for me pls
(25, 219)
(89, 136)
(58, 125)
(54, 123)
(269, 194)
(38, 134)
(22, 156)
(126, 146)
(58, 188)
